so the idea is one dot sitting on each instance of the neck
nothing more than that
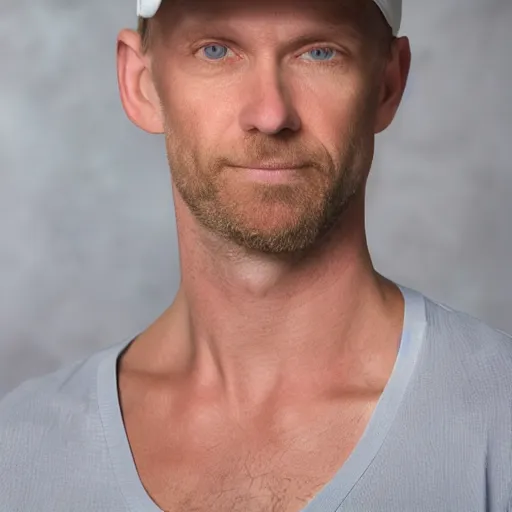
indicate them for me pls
(257, 327)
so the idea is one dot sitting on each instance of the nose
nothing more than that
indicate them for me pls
(267, 104)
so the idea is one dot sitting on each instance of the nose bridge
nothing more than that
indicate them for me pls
(268, 103)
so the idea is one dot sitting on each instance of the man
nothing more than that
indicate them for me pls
(288, 375)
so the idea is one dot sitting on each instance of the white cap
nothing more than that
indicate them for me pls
(392, 10)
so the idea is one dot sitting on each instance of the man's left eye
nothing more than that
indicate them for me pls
(215, 51)
(320, 54)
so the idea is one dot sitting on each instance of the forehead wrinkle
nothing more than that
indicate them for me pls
(286, 34)
(291, 35)
(344, 14)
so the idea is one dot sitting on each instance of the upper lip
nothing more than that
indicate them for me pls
(272, 166)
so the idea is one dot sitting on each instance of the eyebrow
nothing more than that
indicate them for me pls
(342, 32)
(335, 33)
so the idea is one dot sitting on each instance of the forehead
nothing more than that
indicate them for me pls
(189, 14)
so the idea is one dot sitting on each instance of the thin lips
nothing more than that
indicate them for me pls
(273, 167)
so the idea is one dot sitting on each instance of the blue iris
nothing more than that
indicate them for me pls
(321, 53)
(215, 51)
(218, 52)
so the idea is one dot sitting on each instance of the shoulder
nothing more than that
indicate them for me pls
(51, 436)
(465, 336)
(52, 445)
(50, 430)
(467, 361)
(70, 392)
(41, 411)
(463, 394)
(69, 389)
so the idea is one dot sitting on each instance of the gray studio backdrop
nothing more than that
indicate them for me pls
(88, 255)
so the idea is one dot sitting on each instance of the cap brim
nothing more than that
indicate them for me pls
(147, 8)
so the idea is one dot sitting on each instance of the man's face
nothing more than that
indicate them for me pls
(248, 89)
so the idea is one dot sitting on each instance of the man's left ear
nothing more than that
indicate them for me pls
(394, 82)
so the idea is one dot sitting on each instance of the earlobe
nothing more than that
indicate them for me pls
(393, 84)
(138, 95)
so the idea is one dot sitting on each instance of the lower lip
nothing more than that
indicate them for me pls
(271, 175)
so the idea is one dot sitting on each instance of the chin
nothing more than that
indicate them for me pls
(272, 216)
(279, 242)
(272, 229)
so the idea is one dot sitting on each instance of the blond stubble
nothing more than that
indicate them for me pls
(313, 205)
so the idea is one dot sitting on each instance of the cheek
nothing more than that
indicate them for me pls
(331, 107)
(329, 124)
(200, 120)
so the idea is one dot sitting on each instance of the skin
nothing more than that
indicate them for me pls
(279, 307)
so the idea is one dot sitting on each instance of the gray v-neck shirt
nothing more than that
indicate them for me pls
(440, 438)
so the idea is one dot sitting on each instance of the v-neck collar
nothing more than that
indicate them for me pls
(338, 488)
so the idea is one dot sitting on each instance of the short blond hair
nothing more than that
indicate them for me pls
(144, 31)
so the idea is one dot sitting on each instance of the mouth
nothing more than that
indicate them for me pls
(273, 166)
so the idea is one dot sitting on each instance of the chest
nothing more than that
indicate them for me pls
(229, 471)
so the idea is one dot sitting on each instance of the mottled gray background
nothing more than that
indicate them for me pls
(88, 254)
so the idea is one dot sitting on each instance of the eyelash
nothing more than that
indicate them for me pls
(336, 51)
